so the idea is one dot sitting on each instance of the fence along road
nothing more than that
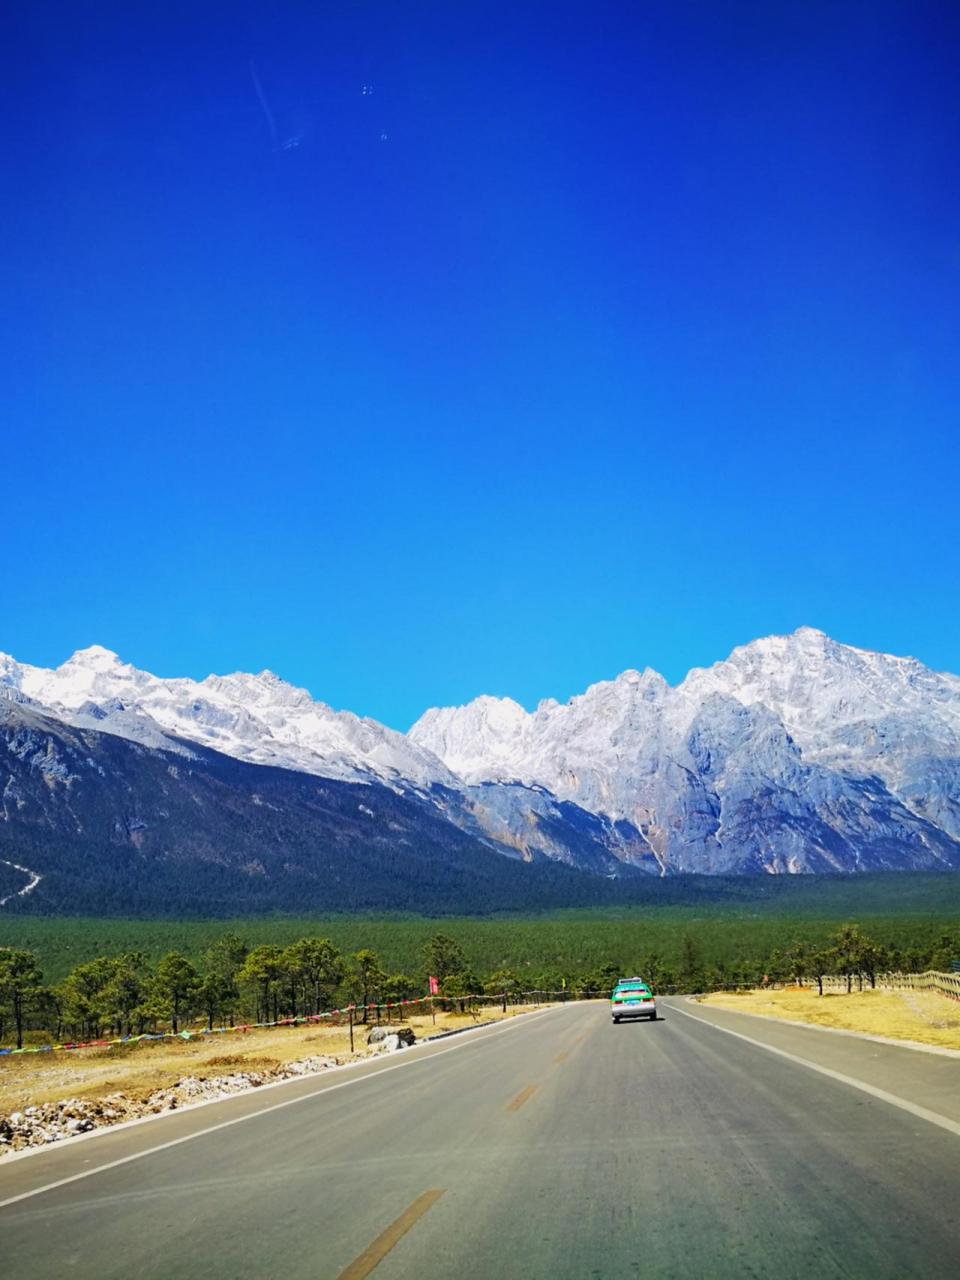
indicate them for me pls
(947, 984)
(561, 1146)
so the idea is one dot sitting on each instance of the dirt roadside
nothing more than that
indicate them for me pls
(50, 1096)
(922, 1016)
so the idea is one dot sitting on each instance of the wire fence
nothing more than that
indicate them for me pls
(352, 1014)
(378, 1013)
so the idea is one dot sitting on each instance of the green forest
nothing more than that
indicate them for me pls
(748, 918)
(130, 969)
(126, 994)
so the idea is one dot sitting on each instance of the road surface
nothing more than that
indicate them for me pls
(556, 1146)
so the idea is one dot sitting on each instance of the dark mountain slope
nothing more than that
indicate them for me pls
(113, 827)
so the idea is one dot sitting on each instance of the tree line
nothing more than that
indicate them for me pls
(233, 982)
(126, 995)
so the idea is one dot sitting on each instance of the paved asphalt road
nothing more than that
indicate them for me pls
(558, 1146)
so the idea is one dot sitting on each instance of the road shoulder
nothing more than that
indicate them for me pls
(26, 1173)
(898, 1043)
(926, 1084)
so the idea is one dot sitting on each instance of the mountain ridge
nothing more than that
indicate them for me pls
(112, 827)
(795, 753)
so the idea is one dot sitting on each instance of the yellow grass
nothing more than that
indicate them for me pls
(925, 1016)
(137, 1070)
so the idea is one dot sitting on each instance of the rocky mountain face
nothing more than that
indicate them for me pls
(263, 720)
(124, 791)
(795, 754)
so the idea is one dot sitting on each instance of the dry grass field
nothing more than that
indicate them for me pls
(137, 1070)
(924, 1016)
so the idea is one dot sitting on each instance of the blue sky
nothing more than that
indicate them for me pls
(589, 336)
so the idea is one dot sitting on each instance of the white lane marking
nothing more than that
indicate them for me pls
(29, 1153)
(932, 1117)
(277, 1106)
(916, 1045)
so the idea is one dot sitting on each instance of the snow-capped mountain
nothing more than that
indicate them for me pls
(262, 720)
(794, 754)
(258, 718)
(839, 704)
(94, 823)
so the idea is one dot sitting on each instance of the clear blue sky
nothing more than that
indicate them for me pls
(591, 336)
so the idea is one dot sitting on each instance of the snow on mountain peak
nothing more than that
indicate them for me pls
(487, 727)
(817, 686)
(95, 657)
(495, 739)
(613, 747)
(259, 718)
(794, 753)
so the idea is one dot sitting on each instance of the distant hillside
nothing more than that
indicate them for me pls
(114, 827)
(124, 792)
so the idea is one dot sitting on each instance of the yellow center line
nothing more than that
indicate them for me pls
(375, 1253)
(522, 1097)
(562, 1056)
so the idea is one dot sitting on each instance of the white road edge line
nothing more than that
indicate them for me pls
(277, 1106)
(916, 1045)
(932, 1117)
(30, 1153)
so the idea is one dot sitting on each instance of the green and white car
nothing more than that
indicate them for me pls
(632, 998)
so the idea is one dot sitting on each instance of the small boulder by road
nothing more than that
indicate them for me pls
(391, 1037)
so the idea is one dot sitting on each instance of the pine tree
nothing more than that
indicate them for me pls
(176, 984)
(20, 984)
